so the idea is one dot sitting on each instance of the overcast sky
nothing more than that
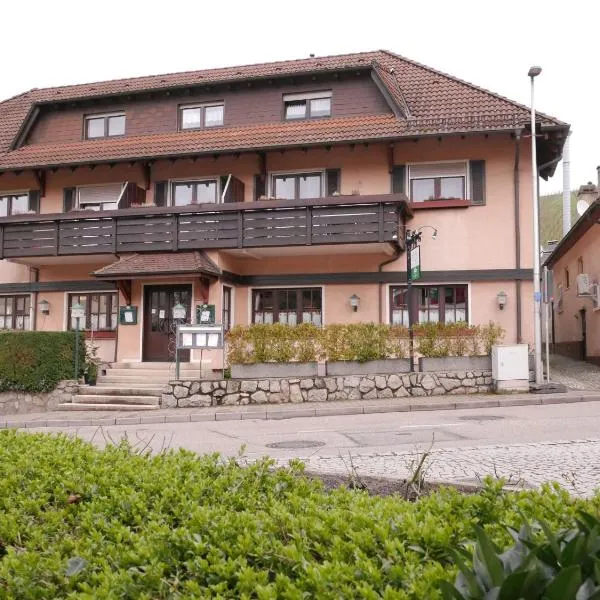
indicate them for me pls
(488, 43)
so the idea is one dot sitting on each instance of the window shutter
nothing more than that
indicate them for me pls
(160, 193)
(259, 186)
(399, 179)
(34, 200)
(69, 199)
(477, 168)
(334, 177)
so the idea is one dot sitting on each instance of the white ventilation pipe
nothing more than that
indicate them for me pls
(566, 186)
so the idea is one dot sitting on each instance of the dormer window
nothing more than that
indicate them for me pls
(199, 116)
(106, 125)
(312, 105)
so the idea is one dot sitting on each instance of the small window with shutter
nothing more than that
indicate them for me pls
(437, 181)
(100, 197)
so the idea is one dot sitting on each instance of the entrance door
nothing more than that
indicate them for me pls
(159, 327)
(583, 334)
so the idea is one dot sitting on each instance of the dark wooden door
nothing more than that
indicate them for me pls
(159, 327)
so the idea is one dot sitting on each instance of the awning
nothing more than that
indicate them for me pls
(135, 266)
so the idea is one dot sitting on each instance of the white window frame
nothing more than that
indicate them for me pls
(409, 178)
(202, 106)
(273, 174)
(307, 97)
(217, 178)
(4, 194)
(86, 118)
(232, 303)
(123, 185)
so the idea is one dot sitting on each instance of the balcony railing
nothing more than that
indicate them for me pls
(335, 220)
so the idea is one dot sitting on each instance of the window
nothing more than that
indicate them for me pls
(313, 105)
(100, 311)
(287, 306)
(14, 312)
(297, 186)
(14, 204)
(226, 318)
(100, 126)
(204, 191)
(432, 304)
(567, 278)
(100, 197)
(197, 116)
(438, 181)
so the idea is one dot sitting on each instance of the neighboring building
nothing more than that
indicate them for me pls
(273, 191)
(575, 265)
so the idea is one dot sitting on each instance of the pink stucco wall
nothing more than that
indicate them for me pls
(568, 321)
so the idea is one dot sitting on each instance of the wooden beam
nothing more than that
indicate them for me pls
(40, 177)
(262, 165)
(390, 158)
(147, 169)
(204, 289)
(124, 286)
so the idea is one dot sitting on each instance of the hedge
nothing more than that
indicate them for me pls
(359, 341)
(84, 523)
(35, 361)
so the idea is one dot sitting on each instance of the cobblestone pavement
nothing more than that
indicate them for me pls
(575, 374)
(575, 465)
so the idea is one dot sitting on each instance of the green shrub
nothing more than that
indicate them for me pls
(542, 564)
(35, 361)
(78, 522)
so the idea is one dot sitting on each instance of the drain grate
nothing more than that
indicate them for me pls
(482, 418)
(295, 444)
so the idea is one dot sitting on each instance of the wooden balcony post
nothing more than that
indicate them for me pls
(1, 242)
(56, 237)
(381, 222)
(175, 232)
(309, 217)
(240, 229)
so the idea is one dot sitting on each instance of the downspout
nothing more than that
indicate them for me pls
(566, 216)
(36, 278)
(395, 257)
(517, 184)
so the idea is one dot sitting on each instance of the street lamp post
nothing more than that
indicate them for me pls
(77, 313)
(537, 296)
(412, 239)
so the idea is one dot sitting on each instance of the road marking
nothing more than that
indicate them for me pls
(333, 430)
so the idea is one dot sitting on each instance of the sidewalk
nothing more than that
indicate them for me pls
(287, 411)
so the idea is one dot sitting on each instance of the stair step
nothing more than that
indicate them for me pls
(107, 399)
(95, 390)
(147, 373)
(158, 365)
(124, 380)
(138, 385)
(91, 406)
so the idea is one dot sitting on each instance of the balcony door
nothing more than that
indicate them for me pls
(159, 327)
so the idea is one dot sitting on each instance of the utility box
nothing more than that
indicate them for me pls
(510, 368)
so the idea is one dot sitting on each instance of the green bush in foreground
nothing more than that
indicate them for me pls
(82, 523)
(35, 361)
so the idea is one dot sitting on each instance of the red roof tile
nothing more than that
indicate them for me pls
(436, 103)
(167, 263)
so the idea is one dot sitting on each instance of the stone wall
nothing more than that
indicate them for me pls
(322, 389)
(24, 402)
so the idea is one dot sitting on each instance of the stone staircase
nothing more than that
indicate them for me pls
(129, 386)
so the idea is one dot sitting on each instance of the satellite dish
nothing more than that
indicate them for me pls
(582, 206)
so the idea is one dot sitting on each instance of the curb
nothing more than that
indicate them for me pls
(281, 413)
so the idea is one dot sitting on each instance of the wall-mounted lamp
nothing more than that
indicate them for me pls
(179, 312)
(501, 298)
(354, 302)
(44, 307)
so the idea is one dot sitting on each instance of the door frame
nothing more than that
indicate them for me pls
(151, 283)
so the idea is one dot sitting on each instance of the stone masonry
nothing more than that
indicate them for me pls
(186, 394)
(25, 402)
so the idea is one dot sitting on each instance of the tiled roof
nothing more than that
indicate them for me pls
(436, 103)
(166, 263)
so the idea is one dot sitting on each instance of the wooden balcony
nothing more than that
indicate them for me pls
(321, 221)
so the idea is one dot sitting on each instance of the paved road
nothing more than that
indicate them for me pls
(528, 444)
(575, 374)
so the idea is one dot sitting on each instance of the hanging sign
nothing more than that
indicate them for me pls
(415, 263)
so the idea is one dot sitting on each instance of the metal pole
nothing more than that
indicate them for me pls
(546, 323)
(77, 349)
(409, 303)
(536, 248)
(566, 186)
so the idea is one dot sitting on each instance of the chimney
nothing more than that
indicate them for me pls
(587, 192)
